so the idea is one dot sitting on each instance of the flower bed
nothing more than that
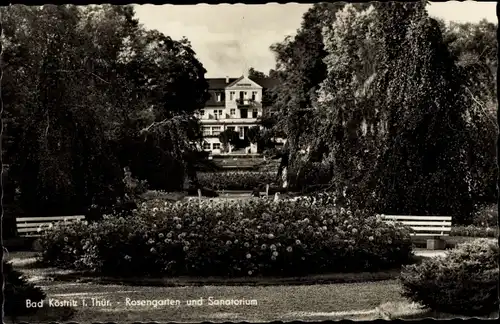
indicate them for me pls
(255, 237)
(235, 180)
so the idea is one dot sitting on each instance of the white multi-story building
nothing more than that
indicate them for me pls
(235, 103)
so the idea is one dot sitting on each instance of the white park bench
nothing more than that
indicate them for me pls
(433, 227)
(34, 226)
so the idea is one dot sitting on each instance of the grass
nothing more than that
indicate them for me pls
(30, 263)
(366, 300)
(273, 303)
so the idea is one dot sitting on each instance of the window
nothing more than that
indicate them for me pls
(231, 128)
(254, 95)
(244, 113)
(231, 95)
(241, 95)
(202, 112)
(215, 130)
(206, 130)
(206, 146)
(232, 111)
(219, 97)
(216, 146)
(218, 112)
(254, 113)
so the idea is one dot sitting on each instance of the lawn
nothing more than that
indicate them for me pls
(370, 298)
(275, 302)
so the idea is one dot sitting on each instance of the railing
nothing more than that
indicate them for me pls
(245, 102)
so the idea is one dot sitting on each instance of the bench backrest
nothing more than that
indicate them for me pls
(423, 225)
(29, 226)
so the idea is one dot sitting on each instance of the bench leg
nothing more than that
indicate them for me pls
(436, 244)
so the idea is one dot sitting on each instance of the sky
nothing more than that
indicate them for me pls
(228, 39)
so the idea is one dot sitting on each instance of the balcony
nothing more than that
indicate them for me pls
(243, 103)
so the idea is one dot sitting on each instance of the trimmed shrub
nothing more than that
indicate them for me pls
(465, 282)
(17, 291)
(255, 237)
(474, 231)
(235, 180)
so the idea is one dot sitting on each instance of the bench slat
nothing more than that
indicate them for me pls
(431, 229)
(429, 234)
(51, 218)
(43, 225)
(437, 218)
(29, 230)
(425, 223)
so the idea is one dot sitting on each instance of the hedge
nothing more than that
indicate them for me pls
(255, 237)
(465, 282)
(17, 291)
(241, 180)
(474, 231)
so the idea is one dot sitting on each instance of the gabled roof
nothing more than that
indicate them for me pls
(235, 81)
(220, 83)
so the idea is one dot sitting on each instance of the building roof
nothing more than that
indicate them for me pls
(266, 83)
(220, 83)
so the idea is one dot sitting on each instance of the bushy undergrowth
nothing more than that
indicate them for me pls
(242, 180)
(474, 231)
(255, 237)
(17, 291)
(487, 217)
(465, 282)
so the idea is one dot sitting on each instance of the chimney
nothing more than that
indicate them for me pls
(227, 79)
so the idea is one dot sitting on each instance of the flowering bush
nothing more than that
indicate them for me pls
(254, 237)
(133, 186)
(235, 180)
(465, 282)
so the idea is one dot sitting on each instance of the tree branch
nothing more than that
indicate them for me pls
(81, 70)
(481, 105)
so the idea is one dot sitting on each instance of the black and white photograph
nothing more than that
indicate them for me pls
(249, 162)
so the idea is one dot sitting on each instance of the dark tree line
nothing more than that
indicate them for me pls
(87, 92)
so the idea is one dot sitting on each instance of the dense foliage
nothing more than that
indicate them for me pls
(398, 106)
(87, 91)
(465, 282)
(256, 237)
(474, 231)
(487, 216)
(241, 180)
(17, 290)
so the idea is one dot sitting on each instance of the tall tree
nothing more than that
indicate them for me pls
(300, 70)
(253, 73)
(423, 169)
(81, 85)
